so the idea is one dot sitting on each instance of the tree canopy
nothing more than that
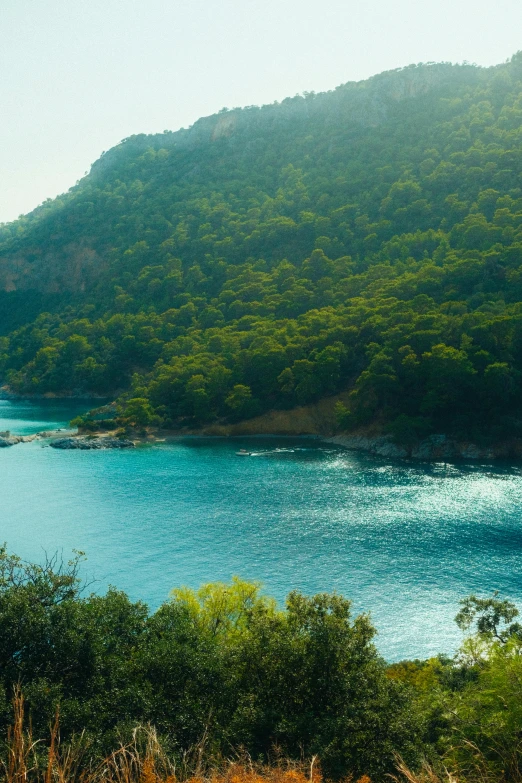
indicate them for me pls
(223, 661)
(225, 670)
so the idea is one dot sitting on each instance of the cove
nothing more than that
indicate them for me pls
(403, 541)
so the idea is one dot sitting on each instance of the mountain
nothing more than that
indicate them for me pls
(367, 241)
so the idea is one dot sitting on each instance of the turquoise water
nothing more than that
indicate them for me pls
(405, 542)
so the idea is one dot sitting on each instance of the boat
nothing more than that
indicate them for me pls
(243, 453)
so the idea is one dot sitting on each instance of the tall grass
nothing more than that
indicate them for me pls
(143, 760)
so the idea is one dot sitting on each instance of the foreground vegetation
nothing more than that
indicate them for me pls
(352, 242)
(224, 673)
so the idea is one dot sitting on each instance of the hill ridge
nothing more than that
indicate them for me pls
(212, 282)
(367, 99)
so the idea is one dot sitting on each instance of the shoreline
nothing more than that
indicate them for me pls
(434, 449)
(315, 422)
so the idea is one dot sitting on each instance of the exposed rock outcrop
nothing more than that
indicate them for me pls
(381, 445)
(435, 448)
(72, 267)
(364, 104)
(91, 443)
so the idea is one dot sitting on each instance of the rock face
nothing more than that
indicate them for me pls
(381, 445)
(436, 448)
(364, 104)
(91, 443)
(71, 268)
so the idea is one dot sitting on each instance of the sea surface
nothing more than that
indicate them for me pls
(404, 541)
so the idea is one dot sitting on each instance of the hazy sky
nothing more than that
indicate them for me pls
(80, 75)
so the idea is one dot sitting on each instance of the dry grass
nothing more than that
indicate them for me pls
(426, 775)
(143, 760)
(479, 772)
(316, 419)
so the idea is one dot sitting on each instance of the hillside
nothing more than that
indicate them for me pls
(367, 240)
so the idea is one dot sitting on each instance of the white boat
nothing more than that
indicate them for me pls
(243, 453)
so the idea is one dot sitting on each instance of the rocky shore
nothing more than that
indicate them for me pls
(91, 443)
(11, 440)
(435, 448)
(68, 440)
(7, 439)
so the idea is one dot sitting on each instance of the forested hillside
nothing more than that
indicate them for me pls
(366, 240)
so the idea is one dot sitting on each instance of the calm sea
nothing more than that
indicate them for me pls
(404, 541)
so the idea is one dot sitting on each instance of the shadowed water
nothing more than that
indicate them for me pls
(404, 541)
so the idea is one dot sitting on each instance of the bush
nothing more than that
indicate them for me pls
(223, 662)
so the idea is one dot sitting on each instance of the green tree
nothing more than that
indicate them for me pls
(240, 401)
(138, 412)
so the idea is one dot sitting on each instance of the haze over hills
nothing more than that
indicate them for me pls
(366, 240)
(353, 107)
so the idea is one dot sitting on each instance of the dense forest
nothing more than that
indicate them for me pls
(366, 241)
(224, 672)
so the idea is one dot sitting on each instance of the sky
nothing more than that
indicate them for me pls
(77, 76)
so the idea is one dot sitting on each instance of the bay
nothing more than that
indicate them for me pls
(403, 541)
